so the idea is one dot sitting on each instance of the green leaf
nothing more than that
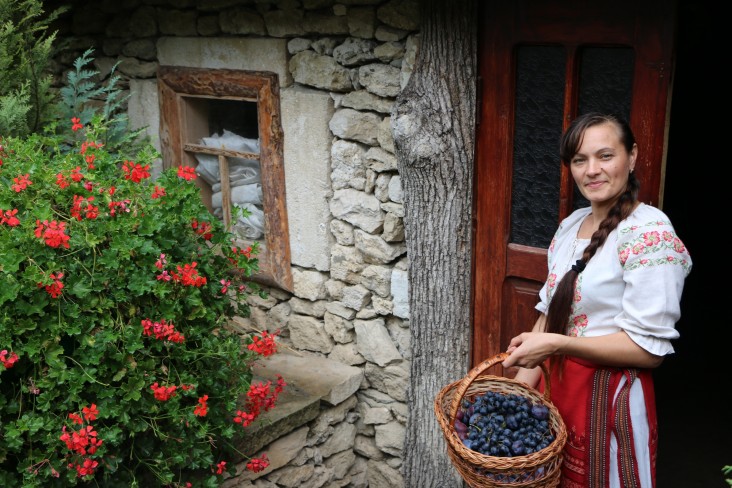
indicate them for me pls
(32, 349)
(9, 288)
(35, 306)
(10, 260)
(133, 389)
(120, 374)
(80, 289)
(140, 283)
(71, 310)
(93, 240)
(31, 423)
(52, 352)
(12, 437)
(150, 227)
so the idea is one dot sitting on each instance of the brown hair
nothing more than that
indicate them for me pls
(560, 305)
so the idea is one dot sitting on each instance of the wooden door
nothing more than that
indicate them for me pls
(541, 63)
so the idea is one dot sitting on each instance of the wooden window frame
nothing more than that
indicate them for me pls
(175, 86)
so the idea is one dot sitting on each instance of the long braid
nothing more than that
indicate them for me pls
(560, 306)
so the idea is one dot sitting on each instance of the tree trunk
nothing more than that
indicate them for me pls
(434, 133)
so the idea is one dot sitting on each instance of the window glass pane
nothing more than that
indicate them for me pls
(606, 80)
(606, 84)
(540, 85)
(233, 115)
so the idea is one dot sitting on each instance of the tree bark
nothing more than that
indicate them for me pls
(433, 121)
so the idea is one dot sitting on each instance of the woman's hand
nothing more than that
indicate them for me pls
(529, 349)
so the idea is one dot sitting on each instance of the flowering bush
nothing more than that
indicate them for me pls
(118, 368)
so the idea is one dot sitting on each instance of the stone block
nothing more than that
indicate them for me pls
(305, 116)
(244, 53)
(329, 380)
(143, 110)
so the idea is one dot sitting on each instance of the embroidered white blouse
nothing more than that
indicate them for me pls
(633, 283)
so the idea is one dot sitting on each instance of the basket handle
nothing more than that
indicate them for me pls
(479, 370)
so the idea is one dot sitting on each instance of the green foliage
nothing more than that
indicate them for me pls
(90, 250)
(14, 108)
(727, 471)
(26, 49)
(83, 97)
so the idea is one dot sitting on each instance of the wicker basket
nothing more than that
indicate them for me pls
(541, 469)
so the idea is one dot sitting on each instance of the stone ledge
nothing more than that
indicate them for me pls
(309, 380)
(294, 408)
(331, 381)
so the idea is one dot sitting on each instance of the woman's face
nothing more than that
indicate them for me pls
(602, 165)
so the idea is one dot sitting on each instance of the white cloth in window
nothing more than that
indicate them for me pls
(239, 195)
(251, 227)
(208, 165)
(241, 172)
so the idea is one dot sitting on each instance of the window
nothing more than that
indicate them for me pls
(226, 124)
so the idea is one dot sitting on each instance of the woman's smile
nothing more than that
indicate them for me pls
(594, 185)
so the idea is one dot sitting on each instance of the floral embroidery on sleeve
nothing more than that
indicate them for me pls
(651, 248)
(551, 285)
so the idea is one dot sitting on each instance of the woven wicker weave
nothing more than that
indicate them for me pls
(541, 469)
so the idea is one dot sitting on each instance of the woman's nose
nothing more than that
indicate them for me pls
(593, 166)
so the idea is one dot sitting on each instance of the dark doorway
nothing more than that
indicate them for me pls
(695, 427)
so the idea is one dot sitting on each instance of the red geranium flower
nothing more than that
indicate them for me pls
(255, 465)
(76, 121)
(187, 173)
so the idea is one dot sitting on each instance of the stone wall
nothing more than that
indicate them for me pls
(340, 66)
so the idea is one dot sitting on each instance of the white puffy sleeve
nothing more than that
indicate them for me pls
(655, 264)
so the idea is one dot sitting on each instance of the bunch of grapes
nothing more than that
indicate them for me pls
(506, 425)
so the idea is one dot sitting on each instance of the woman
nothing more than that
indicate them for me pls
(608, 312)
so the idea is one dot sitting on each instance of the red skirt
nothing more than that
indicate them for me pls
(593, 409)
